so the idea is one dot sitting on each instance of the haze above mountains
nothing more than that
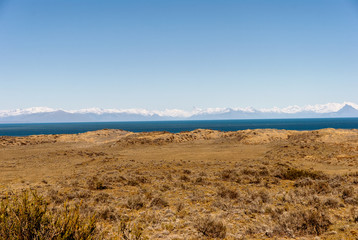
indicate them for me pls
(47, 115)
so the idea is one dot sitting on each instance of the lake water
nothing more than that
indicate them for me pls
(25, 129)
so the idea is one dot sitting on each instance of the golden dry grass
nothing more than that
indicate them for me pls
(253, 184)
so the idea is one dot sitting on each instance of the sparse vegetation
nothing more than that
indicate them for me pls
(27, 217)
(159, 202)
(130, 231)
(211, 227)
(95, 183)
(157, 190)
(293, 174)
(303, 222)
(135, 202)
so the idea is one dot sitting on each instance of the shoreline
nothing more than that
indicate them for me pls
(28, 129)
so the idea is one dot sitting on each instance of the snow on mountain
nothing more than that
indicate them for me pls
(17, 112)
(100, 111)
(317, 109)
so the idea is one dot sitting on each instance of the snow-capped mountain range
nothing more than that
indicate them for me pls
(45, 114)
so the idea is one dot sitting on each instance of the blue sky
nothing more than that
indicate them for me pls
(161, 54)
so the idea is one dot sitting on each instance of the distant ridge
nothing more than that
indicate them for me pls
(45, 114)
(347, 111)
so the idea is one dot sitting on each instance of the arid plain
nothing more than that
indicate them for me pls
(252, 184)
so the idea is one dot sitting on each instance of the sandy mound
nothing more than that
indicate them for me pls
(256, 136)
(260, 136)
(100, 136)
(96, 137)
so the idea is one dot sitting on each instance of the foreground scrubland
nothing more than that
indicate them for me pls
(112, 184)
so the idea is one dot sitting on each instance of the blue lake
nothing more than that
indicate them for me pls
(25, 129)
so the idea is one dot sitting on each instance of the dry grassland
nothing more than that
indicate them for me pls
(252, 184)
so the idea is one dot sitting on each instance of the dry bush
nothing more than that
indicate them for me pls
(130, 231)
(79, 194)
(331, 202)
(354, 213)
(321, 187)
(264, 196)
(180, 207)
(27, 217)
(301, 222)
(222, 205)
(185, 178)
(348, 192)
(95, 183)
(263, 172)
(337, 181)
(303, 182)
(186, 171)
(348, 195)
(56, 196)
(229, 175)
(164, 188)
(149, 218)
(137, 180)
(227, 193)
(200, 181)
(102, 197)
(159, 202)
(142, 179)
(352, 200)
(249, 171)
(294, 174)
(135, 202)
(210, 227)
(108, 213)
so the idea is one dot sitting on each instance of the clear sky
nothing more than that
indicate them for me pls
(158, 54)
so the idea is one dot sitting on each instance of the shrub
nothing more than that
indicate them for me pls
(331, 202)
(27, 217)
(303, 182)
(228, 175)
(248, 171)
(200, 181)
(321, 187)
(265, 196)
(186, 171)
(354, 212)
(227, 193)
(164, 188)
(211, 228)
(135, 202)
(108, 213)
(159, 202)
(96, 184)
(309, 221)
(130, 232)
(348, 192)
(180, 207)
(185, 178)
(293, 174)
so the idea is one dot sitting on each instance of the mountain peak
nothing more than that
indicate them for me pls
(347, 109)
(45, 114)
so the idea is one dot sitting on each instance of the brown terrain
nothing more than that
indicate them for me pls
(252, 184)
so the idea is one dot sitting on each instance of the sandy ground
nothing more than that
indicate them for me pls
(237, 178)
